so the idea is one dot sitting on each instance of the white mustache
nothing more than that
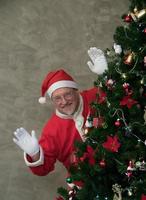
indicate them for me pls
(65, 105)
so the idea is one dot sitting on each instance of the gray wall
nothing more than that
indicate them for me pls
(35, 37)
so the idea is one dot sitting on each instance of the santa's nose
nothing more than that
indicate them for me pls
(63, 100)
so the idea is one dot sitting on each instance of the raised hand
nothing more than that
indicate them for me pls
(28, 143)
(98, 63)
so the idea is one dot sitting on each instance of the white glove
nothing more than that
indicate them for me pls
(28, 143)
(99, 63)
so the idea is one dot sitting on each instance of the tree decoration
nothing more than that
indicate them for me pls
(117, 123)
(128, 101)
(117, 48)
(138, 14)
(128, 18)
(128, 89)
(117, 192)
(89, 155)
(88, 125)
(98, 122)
(110, 84)
(72, 194)
(129, 59)
(112, 144)
(131, 166)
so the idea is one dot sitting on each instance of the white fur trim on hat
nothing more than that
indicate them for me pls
(60, 84)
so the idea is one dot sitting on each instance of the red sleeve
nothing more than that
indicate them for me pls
(50, 150)
(91, 94)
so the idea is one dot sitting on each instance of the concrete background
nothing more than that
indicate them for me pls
(35, 37)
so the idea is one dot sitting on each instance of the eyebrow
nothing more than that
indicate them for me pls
(66, 92)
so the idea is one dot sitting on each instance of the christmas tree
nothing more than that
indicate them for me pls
(111, 163)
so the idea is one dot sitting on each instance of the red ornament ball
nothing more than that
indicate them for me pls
(128, 18)
(117, 123)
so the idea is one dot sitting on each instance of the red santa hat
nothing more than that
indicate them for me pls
(55, 80)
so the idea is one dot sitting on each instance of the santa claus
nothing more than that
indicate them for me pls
(66, 125)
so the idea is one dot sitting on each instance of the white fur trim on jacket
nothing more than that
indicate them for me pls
(77, 117)
(38, 162)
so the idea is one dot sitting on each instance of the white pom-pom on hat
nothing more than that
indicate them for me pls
(42, 100)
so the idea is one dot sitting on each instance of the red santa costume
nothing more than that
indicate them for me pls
(61, 131)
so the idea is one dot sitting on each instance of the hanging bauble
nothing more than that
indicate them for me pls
(118, 123)
(128, 18)
(128, 59)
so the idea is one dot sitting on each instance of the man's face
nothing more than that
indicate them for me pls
(66, 100)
